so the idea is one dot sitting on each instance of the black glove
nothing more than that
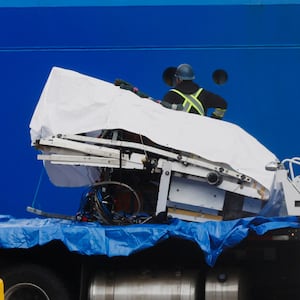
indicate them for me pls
(128, 86)
(172, 106)
(218, 113)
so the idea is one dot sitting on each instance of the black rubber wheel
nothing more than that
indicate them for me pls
(30, 281)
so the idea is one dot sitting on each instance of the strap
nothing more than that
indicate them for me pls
(191, 101)
(37, 188)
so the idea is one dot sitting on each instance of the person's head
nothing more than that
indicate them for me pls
(184, 72)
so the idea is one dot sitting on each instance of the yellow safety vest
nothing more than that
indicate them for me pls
(191, 100)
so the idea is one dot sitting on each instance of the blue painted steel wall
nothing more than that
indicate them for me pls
(257, 45)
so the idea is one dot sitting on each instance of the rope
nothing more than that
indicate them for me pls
(38, 187)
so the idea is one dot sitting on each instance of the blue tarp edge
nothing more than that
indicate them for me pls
(213, 237)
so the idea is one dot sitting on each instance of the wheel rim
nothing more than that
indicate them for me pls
(26, 291)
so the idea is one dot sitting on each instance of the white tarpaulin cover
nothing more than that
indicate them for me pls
(73, 103)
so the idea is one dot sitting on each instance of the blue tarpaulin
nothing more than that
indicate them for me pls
(95, 239)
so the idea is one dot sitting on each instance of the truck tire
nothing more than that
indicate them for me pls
(30, 281)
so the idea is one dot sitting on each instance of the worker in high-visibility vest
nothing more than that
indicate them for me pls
(188, 96)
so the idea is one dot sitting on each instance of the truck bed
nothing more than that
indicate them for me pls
(213, 237)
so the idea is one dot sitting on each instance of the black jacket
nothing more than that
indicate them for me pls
(208, 99)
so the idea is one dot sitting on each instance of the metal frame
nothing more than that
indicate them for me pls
(99, 152)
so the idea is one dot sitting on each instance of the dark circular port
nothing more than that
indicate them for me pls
(220, 76)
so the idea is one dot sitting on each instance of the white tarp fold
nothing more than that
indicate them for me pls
(73, 103)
